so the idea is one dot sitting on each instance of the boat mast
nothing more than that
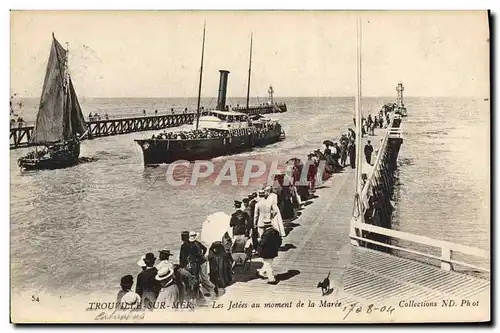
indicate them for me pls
(201, 76)
(249, 71)
(359, 112)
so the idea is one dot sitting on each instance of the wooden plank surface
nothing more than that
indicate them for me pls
(319, 243)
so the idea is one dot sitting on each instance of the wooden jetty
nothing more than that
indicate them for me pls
(262, 109)
(359, 273)
(20, 136)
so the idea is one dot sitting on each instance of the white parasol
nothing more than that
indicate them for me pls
(214, 227)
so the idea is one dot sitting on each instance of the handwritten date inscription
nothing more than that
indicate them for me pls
(356, 308)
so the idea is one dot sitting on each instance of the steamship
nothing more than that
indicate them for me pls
(216, 132)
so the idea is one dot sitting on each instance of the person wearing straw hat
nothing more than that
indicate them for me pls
(141, 262)
(147, 287)
(199, 252)
(269, 244)
(169, 292)
(130, 300)
(163, 259)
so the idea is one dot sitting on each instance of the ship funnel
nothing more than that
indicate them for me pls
(221, 100)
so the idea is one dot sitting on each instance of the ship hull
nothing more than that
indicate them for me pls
(48, 164)
(157, 152)
(58, 160)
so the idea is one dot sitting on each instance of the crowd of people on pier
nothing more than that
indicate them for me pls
(97, 116)
(369, 124)
(19, 120)
(256, 228)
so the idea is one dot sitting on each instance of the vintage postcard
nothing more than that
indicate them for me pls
(249, 166)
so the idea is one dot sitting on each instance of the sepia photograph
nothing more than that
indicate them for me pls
(249, 166)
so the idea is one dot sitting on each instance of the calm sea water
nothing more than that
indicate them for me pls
(78, 230)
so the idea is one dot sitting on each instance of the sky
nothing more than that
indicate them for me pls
(301, 53)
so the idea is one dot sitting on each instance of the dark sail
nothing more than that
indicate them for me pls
(75, 122)
(56, 119)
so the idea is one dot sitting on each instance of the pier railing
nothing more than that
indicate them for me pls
(20, 136)
(446, 248)
(373, 225)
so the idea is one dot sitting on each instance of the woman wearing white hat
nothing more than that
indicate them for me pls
(169, 292)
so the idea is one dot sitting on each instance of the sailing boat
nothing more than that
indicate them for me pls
(216, 132)
(59, 123)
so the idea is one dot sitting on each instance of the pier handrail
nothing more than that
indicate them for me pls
(447, 248)
(376, 165)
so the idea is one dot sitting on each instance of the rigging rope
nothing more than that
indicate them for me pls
(356, 209)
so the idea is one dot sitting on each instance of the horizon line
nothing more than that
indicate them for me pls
(275, 97)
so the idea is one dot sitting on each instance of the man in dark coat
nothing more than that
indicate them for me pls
(368, 152)
(147, 287)
(251, 212)
(239, 220)
(352, 154)
(249, 225)
(199, 252)
(269, 244)
(185, 249)
(327, 151)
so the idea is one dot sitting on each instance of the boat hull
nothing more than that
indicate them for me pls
(58, 160)
(48, 164)
(167, 151)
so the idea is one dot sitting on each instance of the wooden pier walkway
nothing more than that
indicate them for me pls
(20, 136)
(319, 243)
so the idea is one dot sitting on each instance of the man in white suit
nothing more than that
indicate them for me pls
(264, 212)
(277, 221)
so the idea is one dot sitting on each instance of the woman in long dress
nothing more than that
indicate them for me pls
(220, 265)
(169, 292)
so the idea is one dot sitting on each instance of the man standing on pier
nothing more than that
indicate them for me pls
(250, 209)
(239, 221)
(352, 154)
(277, 220)
(269, 244)
(147, 287)
(263, 211)
(368, 152)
